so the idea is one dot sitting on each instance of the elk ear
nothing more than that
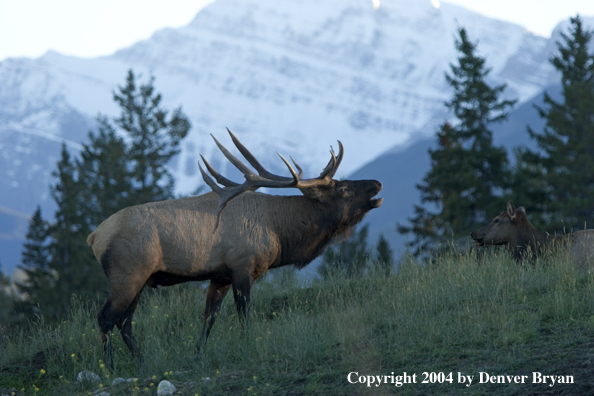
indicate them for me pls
(511, 210)
(312, 192)
(319, 193)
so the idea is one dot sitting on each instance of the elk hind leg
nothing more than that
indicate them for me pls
(107, 319)
(125, 326)
(120, 304)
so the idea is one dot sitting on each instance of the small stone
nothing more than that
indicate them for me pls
(87, 376)
(117, 381)
(165, 388)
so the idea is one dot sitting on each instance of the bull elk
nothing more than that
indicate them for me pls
(512, 228)
(229, 236)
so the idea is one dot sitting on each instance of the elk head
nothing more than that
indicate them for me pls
(503, 229)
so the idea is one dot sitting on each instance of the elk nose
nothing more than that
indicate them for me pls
(371, 186)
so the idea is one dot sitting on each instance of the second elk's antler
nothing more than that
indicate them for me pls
(263, 178)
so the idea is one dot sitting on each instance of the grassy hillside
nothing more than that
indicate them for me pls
(460, 314)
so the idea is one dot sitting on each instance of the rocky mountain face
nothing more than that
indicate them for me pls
(291, 76)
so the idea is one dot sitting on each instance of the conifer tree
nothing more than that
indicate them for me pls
(468, 174)
(6, 303)
(154, 139)
(566, 145)
(529, 187)
(103, 168)
(384, 259)
(71, 258)
(40, 279)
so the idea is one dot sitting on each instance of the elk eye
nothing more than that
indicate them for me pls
(495, 221)
(344, 190)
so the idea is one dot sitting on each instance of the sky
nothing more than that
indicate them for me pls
(91, 28)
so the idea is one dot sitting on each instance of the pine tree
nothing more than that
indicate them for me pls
(566, 145)
(6, 303)
(154, 139)
(468, 175)
(529, 187)
(103, 168)
(71, 258)
(384, 259)
(40, 280)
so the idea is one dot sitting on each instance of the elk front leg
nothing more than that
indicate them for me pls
(214, 298)
(242, 286)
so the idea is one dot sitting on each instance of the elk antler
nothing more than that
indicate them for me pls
(263, 178)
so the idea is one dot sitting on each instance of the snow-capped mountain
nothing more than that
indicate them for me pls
(291, 76)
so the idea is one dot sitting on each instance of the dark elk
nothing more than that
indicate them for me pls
(229, 236)
(512, 228)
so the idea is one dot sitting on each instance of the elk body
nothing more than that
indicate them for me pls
(513, 229)
(229, 237)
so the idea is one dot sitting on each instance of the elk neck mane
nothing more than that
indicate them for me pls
(529, 238)
(305, 227)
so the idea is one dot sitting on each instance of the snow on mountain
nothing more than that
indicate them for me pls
(291, 76)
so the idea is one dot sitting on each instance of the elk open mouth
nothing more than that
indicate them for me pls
(479, 242)
(376, 202)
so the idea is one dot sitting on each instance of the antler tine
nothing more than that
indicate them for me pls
(209, 181)
(295, 175)
(328, 172)
(297, 166)
(219, 178)
(332, 167)
(233, 159)
(253, 161)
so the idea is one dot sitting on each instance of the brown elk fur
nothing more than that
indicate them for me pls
(170, 242)
(512, 228)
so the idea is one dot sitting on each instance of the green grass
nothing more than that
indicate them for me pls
(461, 313)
